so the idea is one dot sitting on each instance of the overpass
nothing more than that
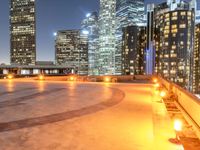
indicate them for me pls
(98, 112)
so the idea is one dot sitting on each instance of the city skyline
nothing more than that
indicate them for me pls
(47, 23)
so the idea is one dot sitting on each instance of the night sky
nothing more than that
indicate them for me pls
(52, 15)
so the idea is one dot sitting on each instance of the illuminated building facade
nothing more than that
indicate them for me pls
(22, 32)
(128, 13)
(106, 61)
(133, 49)
(196, 64)
(72, 50)
(150, 49)
(175, 30)
(90, 26)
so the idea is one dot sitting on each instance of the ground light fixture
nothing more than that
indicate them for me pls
(10, 76)
(72, 78)
(155, 80)
(107, 79)
(178, 125)
(157, 85)
(162, 94)
(41, 77)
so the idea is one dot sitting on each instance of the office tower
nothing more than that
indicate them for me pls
(72, 50)
(175, 30)
(133, 49)
(106, 62)
(22, 32)
(150, 49)
(196, 63)
(128, 13)
(90, 26)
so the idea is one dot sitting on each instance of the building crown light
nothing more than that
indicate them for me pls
(88, 15)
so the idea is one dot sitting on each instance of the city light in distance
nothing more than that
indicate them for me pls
(85, 32)
(55, 34)
(88, 15)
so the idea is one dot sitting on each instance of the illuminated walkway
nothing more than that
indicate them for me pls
(82, 116)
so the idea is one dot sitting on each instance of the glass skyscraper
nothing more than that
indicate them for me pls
(90, 26)
(106, 61)
(128, 13)
(23, 32)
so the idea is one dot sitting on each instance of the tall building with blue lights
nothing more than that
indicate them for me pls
(150, 49)
(128, 13)
(90, 25)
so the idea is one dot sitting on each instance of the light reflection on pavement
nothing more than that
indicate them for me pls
(82, 116)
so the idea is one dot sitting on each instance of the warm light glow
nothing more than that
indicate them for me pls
(156, 92)
(107, 79)
(72, 78)
(162, 93)
(178, 125)
(155, 80)
(157, 85)
(41, 77)
(10, 76)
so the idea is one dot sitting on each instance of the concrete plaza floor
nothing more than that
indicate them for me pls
(42, 115)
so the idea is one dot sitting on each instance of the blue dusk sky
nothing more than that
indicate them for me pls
(52, 15)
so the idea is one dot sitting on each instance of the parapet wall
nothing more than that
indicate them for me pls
(187, 101)
(97, 78)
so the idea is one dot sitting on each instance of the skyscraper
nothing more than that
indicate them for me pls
(133, 48)
(90, 26)
(196, 63)
(106, 62)
(22, 32)
(72, 50)
(175, 45)
(150, 49)
(128, 13)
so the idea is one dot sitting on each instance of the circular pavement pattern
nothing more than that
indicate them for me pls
(28, 104)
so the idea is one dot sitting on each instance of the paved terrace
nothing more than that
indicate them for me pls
(58, 115)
